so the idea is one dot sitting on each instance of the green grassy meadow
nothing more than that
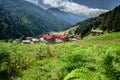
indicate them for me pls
(93, 58)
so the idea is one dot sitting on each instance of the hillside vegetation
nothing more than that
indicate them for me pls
(19, 17)
(109, 22)
(93, 58)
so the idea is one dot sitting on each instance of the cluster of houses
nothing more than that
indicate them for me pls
(49, 38)
(53, 37)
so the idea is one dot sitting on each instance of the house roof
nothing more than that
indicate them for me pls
(29, 38)
(48, 37)
(97, 31)
(35, 40)
(26, 41)
(61, 36)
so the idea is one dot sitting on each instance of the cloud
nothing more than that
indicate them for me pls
(36, 2)
(70, 6)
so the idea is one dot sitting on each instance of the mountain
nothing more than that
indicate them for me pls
(109, 22)
(67, 16)
(19, 17)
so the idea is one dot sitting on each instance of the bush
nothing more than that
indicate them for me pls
(11, 62)
(43, 52)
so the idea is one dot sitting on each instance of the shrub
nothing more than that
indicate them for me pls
(11, 62)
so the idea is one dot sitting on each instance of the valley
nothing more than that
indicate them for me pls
(59, 40)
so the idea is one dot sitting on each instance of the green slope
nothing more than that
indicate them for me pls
(87, 59)
(18, 17)
(109, 22)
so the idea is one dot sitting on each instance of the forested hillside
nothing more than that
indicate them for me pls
(12, 26)
(69, 17)
(18, 17)
(109, 22)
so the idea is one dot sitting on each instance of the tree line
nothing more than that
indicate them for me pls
(108, 22)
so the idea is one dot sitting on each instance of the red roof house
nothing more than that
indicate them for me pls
(62, 37)
(49, 39)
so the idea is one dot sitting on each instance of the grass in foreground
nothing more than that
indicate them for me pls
(87, 59)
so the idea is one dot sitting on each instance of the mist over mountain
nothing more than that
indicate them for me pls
(68, 10)
(69, 17)
(19, 17)
(66, 16)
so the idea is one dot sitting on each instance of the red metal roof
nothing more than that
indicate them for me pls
(62, 36)
(48, 37)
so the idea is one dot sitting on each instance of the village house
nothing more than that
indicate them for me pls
(42, 40)
(35, 40)
(52, 33)
(62, 38)
(16, 41)
(29, 38)
(26, 42)
(78, 36)
(96, 32)
(49, 38)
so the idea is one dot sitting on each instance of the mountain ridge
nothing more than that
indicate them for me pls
(35, 19)
(67, 16)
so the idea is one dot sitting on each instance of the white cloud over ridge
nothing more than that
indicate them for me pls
(70, 6)
(36, 2)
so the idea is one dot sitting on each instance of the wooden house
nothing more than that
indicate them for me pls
(96, 32)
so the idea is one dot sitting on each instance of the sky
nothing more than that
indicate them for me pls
(88, 8)
(106, 4)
